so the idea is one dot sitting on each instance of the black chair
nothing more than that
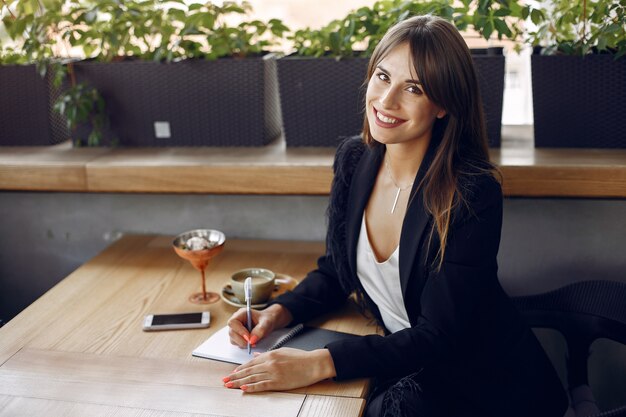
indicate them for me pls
(582, 312)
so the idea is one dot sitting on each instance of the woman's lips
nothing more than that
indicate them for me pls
(388, 120)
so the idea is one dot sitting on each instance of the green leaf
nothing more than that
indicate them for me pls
(177, 14)
(27, 7)
(502, 12)
(335, 42)
(614, 28)
(502, 28)
(350, 30)
(566, 48)
(536, 16)
(487, 30)
(207, 20)
(19, 27)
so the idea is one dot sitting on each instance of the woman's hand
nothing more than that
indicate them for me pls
(282, 369)
(263, 323)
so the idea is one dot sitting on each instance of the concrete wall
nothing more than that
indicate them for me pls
(546, 243)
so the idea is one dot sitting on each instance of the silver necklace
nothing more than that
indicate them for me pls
(400, 189)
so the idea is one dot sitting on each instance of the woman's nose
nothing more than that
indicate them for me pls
(389, 99)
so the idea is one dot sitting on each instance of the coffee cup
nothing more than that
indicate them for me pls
(262, 284)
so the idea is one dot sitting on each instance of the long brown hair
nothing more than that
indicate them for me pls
(444, 66)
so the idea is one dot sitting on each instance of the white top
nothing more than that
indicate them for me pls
(381, 281)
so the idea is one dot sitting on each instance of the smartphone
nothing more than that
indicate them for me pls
(176, 321)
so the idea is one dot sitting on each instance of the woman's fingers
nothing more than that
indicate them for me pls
(237, 332)
(265, 326)
(262, 322)
(249, 379)
(260, 386)
(236, 339)
(281, 369)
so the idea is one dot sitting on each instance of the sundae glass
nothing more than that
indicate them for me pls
(198, 247)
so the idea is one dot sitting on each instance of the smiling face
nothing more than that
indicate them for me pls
(398, 110)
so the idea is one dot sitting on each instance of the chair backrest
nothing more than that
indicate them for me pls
(582, 312)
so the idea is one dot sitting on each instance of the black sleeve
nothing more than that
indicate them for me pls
(450, 301)
(321, 290)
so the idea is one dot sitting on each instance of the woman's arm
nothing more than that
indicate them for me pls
(319, 292)
(322, 290)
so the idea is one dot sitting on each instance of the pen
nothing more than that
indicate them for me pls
(247, 290)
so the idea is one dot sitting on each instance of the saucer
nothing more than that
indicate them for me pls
(283, 282)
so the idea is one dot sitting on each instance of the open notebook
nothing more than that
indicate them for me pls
(218, 346)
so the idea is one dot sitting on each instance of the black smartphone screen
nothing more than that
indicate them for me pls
(161, 319)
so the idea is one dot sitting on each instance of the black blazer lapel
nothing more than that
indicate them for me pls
(361, 188)
(413, 228)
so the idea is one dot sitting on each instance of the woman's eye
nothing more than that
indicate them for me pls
(382, 76)
(414, 89)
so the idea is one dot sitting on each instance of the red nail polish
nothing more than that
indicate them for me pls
(246, 338)
(244, 387)
(230, 384)
(254, 339)
(226, 379)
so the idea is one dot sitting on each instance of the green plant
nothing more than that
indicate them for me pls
(366, 26)
(112, 29)
(32, 26)
(502, 17)
(36, 28)
(12, 56)
(81, 104)
(167, 30)
(76, 104)
(215, 38)
(580, 27)
(360, 31)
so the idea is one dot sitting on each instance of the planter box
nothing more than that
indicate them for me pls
(579, 102)
(322, 99)
(228, 102)
(26, 117)
(490, 69)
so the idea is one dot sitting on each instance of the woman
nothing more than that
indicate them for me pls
(414, 227)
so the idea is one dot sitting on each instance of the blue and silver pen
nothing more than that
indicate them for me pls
(247, 290)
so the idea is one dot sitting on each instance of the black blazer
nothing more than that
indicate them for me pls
(464, 328)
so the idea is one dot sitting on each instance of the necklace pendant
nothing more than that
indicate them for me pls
(395, 201)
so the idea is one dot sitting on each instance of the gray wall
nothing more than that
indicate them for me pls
(546, 243)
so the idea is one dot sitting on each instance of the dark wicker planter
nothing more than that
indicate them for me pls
(490, 69)
(26, 117)
(228, 102)
(322, 99)
(579, 102)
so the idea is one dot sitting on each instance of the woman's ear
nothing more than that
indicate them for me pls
(442, 113)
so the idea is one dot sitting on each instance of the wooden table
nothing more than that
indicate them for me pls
(79, 350)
